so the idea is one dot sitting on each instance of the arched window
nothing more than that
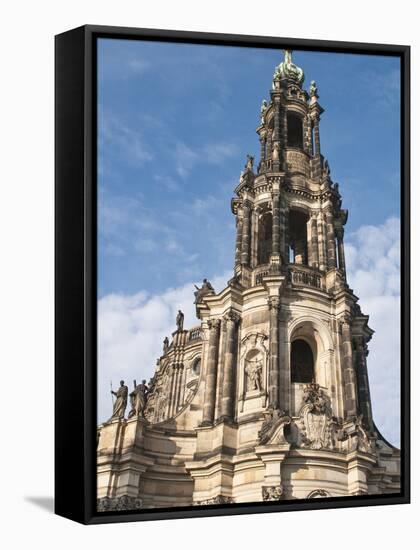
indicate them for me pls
(294, 131)
(302, 362)
(265, 237)
(298, 237)
(196, 367)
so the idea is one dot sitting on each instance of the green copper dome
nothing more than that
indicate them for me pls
(288, 70)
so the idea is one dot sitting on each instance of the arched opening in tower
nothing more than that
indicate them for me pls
(298, 237)
(302, 362)
(294, 131)
(265, 238)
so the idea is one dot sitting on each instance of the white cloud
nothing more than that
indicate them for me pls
(187, 158)
(215, 153)
(373, 265)
(131, 329)
(125, 141)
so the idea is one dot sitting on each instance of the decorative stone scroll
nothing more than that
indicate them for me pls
(272, 493)
(117, 504)
(272, 430)
(318, 493)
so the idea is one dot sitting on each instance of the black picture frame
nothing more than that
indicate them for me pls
(75, 272)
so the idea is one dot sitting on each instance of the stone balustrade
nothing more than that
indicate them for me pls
(194, 334)
(306, 276)
(260, 273)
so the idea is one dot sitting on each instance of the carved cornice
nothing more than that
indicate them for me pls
(328, 194)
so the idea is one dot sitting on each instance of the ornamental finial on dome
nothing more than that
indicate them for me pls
(288, 70)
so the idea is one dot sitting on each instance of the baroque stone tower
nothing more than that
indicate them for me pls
(268, 397)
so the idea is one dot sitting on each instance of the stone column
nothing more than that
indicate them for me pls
(238, 244)
(268, 147)
(246, 229)
(211, 372)
(263, 141)
(283, 236)
(313, 244)
(283, 136)
(273, 375)
(228, 392)
(254, 238)
(331, 248)
(171, 395)
(307, 129)
(220, 368)
(276, 119)
(341, 257)
(349, 376)
(363, 381)
(276, 163)
(284, 362)
(321, 242)
(316, 146)
(276, 225)
(180, 384)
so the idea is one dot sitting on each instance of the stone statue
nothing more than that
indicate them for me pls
(180, 320)
(165, 344)
(264, 107)
(249, 163)
(121, 402)
(313, 90)
(315, 398)
(253, 372)
(275, 153)
(138, 398)
(205, 289)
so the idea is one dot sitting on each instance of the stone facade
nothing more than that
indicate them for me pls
(268, 397)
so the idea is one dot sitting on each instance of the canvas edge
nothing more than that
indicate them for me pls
(75, 446)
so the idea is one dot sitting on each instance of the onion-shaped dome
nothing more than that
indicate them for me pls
(288, 70)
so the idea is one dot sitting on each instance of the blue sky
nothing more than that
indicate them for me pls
(175, 124)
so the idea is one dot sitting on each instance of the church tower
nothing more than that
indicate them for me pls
(268, 397)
